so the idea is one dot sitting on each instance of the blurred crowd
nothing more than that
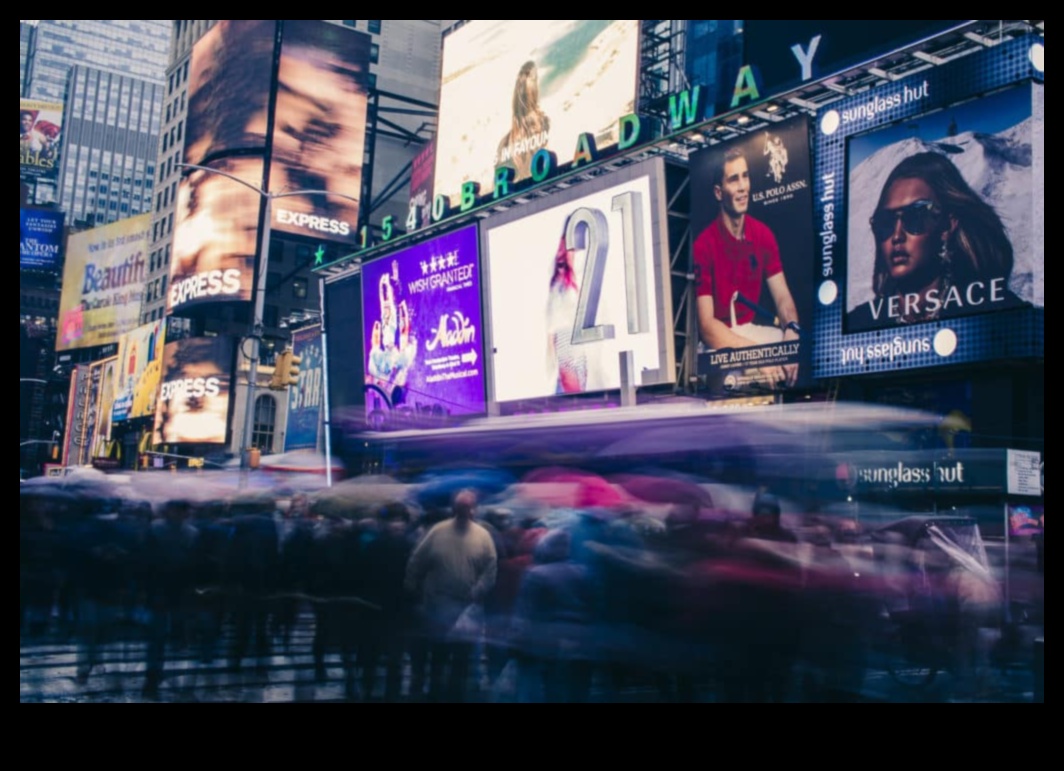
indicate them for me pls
(460, 596)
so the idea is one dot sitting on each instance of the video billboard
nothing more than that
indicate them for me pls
(421, 189)
(511, 88)
(576, 280)
(216, 238)
(193, 406)
(1025, 521)
(422, 329)
(40, 137)
(305, 400)
(140, 355)
(929, 241)
(752, 220)
(229, 79)
(103, 283)
(319, 130)
(40, 239)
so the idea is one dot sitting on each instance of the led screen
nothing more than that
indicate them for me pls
(193, 406)
(511, 88)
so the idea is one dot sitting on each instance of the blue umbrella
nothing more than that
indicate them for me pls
(437, 489)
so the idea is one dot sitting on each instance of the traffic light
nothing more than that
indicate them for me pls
(285, 371)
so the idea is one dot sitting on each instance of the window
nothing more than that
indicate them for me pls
(299, 289)
(270, 316)
(375, 26)
(265, 423)
(375, 54)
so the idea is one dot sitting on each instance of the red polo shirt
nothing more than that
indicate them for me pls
(725, 265)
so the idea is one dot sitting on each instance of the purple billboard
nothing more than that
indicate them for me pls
(422, 331)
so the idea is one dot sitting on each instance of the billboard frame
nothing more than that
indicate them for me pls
(653, 168)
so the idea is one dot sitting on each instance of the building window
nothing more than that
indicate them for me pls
(265, 423)
(299, 289)
(375, 26)
(375, 54)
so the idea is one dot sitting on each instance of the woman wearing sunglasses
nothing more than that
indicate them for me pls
(941, 251)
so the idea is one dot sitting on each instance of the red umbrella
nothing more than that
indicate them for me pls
(572, 489)
(665, 490)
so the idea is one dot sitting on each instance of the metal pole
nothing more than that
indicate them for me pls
(32, 380)
(256, 336)
(1040, 671)
(327, 420)
(1008, 567)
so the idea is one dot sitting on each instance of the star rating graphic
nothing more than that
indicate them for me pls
(436, 264)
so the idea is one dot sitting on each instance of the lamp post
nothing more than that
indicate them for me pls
(260, 291)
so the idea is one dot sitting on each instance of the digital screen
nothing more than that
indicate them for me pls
(319, 134)
(305, 399)
(752, 225)
(140, 355)
(422, 328)
(40, 138)
(216, 238)
(941, 215)
(40, 239)
(1026, 521)
(511, 88)
(193, 406)
(421, 181)
(229, 81)
(574, 285)
(103, 283)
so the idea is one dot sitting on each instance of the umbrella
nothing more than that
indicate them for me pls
(437, 490)
(567, 488)
(665, 490)
(300, 462)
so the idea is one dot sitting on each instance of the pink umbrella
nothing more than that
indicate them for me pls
(572, 489)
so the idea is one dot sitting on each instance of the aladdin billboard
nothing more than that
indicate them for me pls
(193, 405)
(423, 331)
(319, 129)
(511, 89)
(752, 216)
(103, 284)
(930, 232)
(40, 136)
(40, 239)
(576, 280)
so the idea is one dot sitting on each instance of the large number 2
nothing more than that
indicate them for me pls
(589, 229)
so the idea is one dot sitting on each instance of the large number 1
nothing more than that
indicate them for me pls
(588, 229)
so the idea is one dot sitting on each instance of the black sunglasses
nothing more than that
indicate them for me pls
(916, 219)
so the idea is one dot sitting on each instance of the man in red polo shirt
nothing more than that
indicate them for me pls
(735, 256)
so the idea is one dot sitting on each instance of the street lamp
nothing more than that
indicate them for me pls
(260, 291)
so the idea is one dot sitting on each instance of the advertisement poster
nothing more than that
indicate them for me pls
(216, 236)
(140, 364)
(319, 134)
(40, 239)
(1025, 521)
(40, 137)
(305, 400)
(87, 424)
(77, 407)
(103, 283)
(422, 328)
(752, 211)
(941, 215)
(105, 400)
(575, 285)
(229, 88)
(512, 88)
(193, 406)
(929, 218)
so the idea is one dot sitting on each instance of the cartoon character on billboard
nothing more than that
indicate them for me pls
(393, 350)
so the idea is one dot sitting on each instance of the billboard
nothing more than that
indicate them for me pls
(752, 220)
(576, 280)
(106, 374)
(77, 411)
(940, 215)
(422, 330)
(1026, 521)
(40, 239)
(229, 81)
(512, 88)
(305, 400)
(216, 236)
(319, 130)
(40, 136)
(140, 354)
(103, 283)
(421, 190)
(193, 405)
(929, 246)
(788, 53)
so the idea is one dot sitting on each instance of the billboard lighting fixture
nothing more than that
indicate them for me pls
(772, 108)
(743, 120)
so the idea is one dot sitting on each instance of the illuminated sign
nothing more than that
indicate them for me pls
(40, 137)
(575, 282)
(193, 405)
(305, 400)
(929, 241)
(40, 239)
(103, 284)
